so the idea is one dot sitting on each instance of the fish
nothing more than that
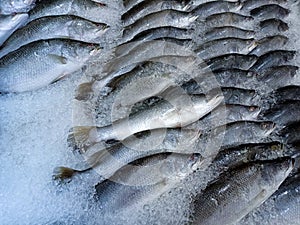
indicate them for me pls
(53, 59)
(63, 27)
(229, 19)
(215, 7)
(148, 7)
(273, 27)
(9, 24)
(249, 5)
(232, 61)
(247, 132)
(282, 206)
(283, 114)
(11, 7)
(228, 32)
(278, 76)
(195, 3)
(184, 110)
(87, 9)
(159, 19)
(223, 46)
(248, 153)
(238, 191)
(162, 32)
(291, 133)
(228, 78)
(144, 181)
(269, 11)
(227, 114)
(273, 58)
(107, 159)
(241, 96)
(270, 43)
(287, 93)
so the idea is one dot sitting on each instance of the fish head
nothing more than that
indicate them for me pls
(267, 128)
(80, 52)
(178, 166)
(274, 173)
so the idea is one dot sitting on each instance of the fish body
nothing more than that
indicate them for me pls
(271, 43)
(147, 7)
(222, 46)
(144, 180)
(287, 93)
(159, 19)
(86, 9)
(236, 193)
(63, 27)
(252, 4)
(228, 32)
(269, 11)
(9, 24)
(52, 60)
(10, 7)
(273, 27)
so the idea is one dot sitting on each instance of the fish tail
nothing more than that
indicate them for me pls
(62, 173)
(84, 91)
(79, 137)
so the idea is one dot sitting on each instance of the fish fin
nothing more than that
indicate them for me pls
(79, 137)
(58, 58)
(63, 173)
(84, 91)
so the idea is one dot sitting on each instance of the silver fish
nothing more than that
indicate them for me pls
(52, 60)
(223, 46)
(142, 182)
(148, 7)
(228, 32)
(160, 19)
(270, 11)
(282, 207)
(252, 4)
(9, 7)
(273, 27)
(182, 111)
(270, 43)
(8, 25)
(287, 93)
(64, 27)
(239, 191)
(87, 9)
(107, 160)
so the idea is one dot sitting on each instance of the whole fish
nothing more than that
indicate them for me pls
(144, 181)
(236, 193)
(8, 25)
(270, 43)
(223, 46)
(148, 7)
(52, 59)
(10, 7)
(184, 110)
(269, 11)
(107, 160)
(228, 32)
(163, 18)
(241, 96)
(87, 9)
(63, 27)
